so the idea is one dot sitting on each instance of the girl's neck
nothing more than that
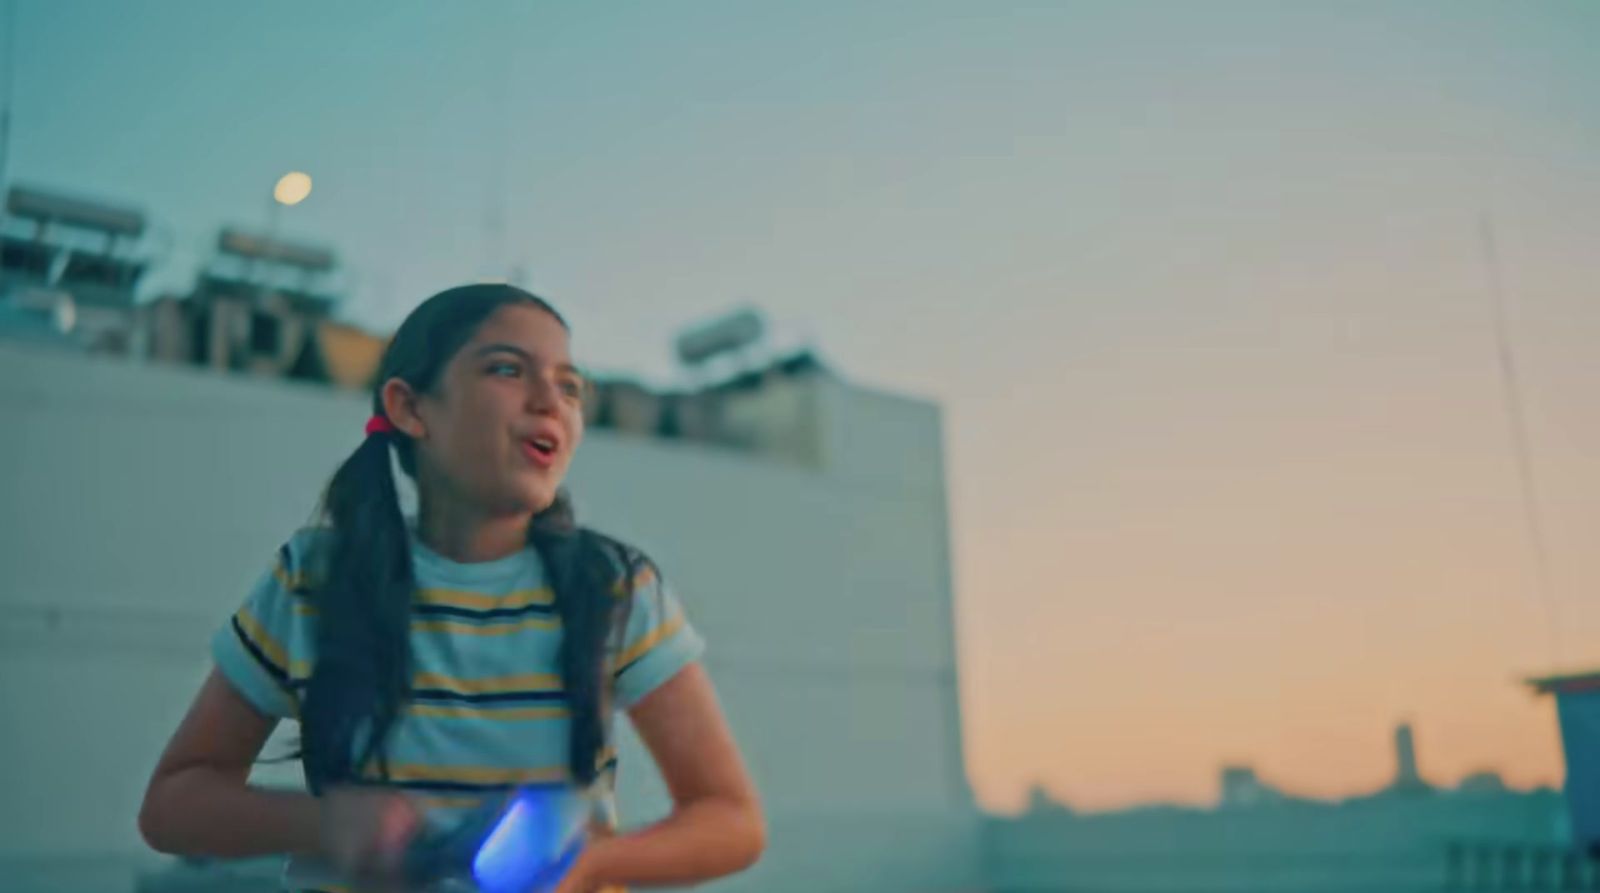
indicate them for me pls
(469, 537)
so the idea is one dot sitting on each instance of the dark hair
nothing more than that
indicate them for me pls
(363, 589)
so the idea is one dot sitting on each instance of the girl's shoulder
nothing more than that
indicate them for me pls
(303, 557)
(630, 568)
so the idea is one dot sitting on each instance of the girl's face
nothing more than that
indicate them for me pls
(500, 426)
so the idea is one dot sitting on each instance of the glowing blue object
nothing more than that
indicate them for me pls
(533, 844)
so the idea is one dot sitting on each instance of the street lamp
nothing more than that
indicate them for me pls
(292, 188)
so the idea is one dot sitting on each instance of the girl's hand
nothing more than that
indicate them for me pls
(581, 877)
(365, 831)
(585, 875)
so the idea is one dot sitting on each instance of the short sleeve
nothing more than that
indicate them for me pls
(657, 642)
(263, 649)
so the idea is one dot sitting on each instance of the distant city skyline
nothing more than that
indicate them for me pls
(1240, 786)
(1200, 289)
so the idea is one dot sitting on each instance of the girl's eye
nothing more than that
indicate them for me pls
(573, 389)
(505, 369)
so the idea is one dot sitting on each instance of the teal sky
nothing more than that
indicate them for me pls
(1199, 286)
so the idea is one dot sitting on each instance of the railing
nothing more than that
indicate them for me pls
(1500, 866)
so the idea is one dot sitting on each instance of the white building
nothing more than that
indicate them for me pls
(137, 504)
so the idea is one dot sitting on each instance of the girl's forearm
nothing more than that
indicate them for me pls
(701, 840)
(199, 811)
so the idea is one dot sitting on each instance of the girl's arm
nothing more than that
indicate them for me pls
(716, 826)
(199, 804)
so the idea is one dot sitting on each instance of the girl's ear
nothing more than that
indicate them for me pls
(400, 407)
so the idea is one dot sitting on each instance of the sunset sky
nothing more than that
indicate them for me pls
(1201, 289)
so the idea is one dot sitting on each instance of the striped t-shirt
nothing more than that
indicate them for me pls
(486, 711)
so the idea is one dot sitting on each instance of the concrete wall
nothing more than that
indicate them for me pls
(137, 504)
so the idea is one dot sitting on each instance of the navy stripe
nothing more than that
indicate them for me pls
(491, 697)
(278, 674)
(630, 664)
(468, 787)
(455, 786)
(471, 614)
(286, 564)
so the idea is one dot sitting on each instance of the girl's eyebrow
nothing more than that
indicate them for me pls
(499, 347)
(502, 348)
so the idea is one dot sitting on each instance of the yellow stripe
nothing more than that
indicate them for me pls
(649, 641)
(462, 711)
(459, 598)
(477, 601)
(428, 801)
(488, 684)
(402, 772)
(476, 774)
(492, 629)
(290, 582)
(455, 598)
(296, 669)
(643, 578)
(302, 609)
(474, 601)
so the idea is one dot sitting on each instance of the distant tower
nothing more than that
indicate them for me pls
(1239, 787)
(1040, 803)
(1242, 788)
(1406, 776)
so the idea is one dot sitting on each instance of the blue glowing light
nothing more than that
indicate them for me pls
(531, 846)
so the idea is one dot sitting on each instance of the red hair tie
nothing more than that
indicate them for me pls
(379, 425)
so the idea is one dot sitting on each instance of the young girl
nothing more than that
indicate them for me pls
(436, 662)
